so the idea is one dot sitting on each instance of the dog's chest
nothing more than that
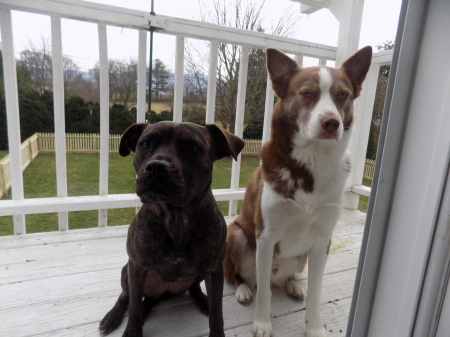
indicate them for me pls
(300, 221)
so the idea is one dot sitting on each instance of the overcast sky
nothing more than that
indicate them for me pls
(80, 42)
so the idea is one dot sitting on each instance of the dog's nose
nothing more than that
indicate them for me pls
(330, 124)
(156, 167)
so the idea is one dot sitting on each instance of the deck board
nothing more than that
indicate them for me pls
(61, 284)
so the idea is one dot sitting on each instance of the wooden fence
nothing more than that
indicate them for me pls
(29, 150)
(77, 143)
(369, 169)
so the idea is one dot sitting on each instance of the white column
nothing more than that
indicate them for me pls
(360, 137)
(349, 15)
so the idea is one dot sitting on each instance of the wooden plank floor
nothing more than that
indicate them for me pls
(62, 284)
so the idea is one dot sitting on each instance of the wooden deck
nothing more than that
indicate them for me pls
(62, 284)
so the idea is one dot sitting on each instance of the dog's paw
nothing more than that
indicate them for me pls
(203, 304)
(294, 289)
(243, 293)
(262, 329)
(111, 321)
(316, 332)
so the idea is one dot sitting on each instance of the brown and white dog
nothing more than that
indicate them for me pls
(293, 200)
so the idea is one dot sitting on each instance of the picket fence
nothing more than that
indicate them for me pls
(90, 143)
(29, 151)
(369, 169)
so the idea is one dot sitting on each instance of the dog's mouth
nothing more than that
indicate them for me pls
(164, 186)
(156, 193)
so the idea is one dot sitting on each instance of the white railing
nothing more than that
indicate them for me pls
(103, 15)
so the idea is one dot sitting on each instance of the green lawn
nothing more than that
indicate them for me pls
(364, 201)
(3, 153)
(83, 179)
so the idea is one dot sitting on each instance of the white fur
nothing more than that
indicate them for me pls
(325, 105)
(304, 224)
(243, 293)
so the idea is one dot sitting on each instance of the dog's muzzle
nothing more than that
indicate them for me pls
(157, 180)
(157, 168)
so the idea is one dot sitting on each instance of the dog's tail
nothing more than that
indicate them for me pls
(228, 265)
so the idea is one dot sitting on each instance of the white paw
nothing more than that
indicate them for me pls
(262, 329)
(294, 289)
(318, 332)
(243, 293)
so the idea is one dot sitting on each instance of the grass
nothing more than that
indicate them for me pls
(3, 153)
(364, 201)
(83, 179)
(160, 106)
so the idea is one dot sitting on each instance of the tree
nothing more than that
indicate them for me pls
(38, 60)
(248, 16)
(160, 76)
(122, 80)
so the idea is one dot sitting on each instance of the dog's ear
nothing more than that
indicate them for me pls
(225, 143)
(357, 66)
(281, 68)
(129, 139)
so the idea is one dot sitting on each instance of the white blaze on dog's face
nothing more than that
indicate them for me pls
(320, 97)
(325, 119)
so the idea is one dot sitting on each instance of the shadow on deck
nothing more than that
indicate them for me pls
(62, 284)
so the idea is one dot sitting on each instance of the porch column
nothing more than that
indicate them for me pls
(349, 15)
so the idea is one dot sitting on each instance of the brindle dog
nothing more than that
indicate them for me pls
(177, 239)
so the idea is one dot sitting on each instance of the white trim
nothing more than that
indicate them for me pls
(413, 161)
(92, 202)
(122, 17)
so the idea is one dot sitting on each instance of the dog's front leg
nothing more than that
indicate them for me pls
(262, 327)
(317, 259)
(136, 280)
(214, 288)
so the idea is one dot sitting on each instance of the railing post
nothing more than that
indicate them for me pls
(270, 97)
(360, 137)
(179, 79)
(104, 120)
(239, 123)
(212, 81)
(60, 130)
(142, 75)
(299, 59)
(12, 115)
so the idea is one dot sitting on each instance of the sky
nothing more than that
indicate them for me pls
(80, 41)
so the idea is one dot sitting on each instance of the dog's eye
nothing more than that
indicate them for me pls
(306, 94)
(193, 148)
(145, 144)
(343, 95)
